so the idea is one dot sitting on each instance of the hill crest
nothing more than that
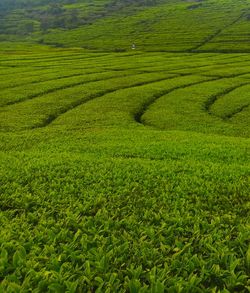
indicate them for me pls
(114, 25)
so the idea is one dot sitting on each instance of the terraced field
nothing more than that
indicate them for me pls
(166, 91)
(114, 25)
(124, 172)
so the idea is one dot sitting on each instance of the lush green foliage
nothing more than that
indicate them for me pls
(114, 25)
(96, 197)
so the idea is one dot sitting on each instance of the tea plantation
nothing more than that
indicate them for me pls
(113, 25)
(125, 170)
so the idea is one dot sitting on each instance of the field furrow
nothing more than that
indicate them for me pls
(145, 107)
(122, 106)
(20, 94)
(209, 104)
(184, 109)
(232, 102)
(46, 108)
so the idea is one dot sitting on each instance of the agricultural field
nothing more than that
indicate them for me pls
(123, 172)
(114, 25)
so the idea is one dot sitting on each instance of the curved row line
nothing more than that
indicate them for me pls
(207, 106)
(228, 76)
(55, 58)
(239, 110)
(30, 97)
(26, 71)
(40, 81)
(79, 83)
(146, 62)
(85, 68)
(146, 106)
(140, 113)
(55, 78)
(209, 103)
(83, 74)
(52, 118)
(144, 66)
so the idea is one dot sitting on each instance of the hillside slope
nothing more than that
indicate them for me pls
(114, 25)
(124, 172)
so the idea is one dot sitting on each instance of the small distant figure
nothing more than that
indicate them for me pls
(133, 47)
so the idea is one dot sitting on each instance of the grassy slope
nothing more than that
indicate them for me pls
(96, 197)
(168, 25)
(171, 27)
